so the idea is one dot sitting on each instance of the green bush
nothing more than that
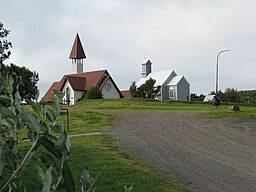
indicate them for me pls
(47, 144)
(94, 93)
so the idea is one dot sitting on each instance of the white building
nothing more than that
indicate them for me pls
(173, 86)
(74, 86)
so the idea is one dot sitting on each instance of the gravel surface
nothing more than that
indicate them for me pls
(204, 154)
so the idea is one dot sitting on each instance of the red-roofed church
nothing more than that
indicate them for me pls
(74, 86)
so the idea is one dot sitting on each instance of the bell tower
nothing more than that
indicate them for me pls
(146, 67)
(77, 55)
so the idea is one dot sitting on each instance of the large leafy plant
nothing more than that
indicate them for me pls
(46, 138)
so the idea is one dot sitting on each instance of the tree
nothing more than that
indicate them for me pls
(94, 93)
(26, 79)
(231, 95)
(4, 44)
(195, 97)
(133, 90)
(146, 90)
(22, 76)
(47, 146)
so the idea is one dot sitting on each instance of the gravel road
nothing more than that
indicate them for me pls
(204, 154)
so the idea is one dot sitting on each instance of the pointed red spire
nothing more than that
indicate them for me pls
(77, 51)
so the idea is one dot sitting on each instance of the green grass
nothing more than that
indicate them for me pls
(102, 150)
(127, 105)
(109, 106)
(119, 171)
(87, 121)
(98, 151)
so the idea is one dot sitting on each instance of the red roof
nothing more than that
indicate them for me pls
(49, 95)
(81, 82)
(77, 51)
(126, 94)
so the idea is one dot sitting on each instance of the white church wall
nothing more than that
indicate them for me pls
(183, 89)
(109, 91)
(78, 95)
(71, 95)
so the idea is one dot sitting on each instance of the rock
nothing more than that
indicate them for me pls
(234, 108)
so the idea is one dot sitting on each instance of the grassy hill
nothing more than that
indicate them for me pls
(102, 150)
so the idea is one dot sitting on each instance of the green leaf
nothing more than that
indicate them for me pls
(47, 180)
(10, 84)
(56, 102)
(68, 177)
(50, 136)
(40, 172)
(17, 97)
(128, 189)
(50, 116)
(49, 145)
(7, 122)
(68, 144)
(32, 121)
(45, 128)
(1, 168)
(6, 112)
(57, 128)
(37, 95)
(48, 160)
(5, 99)
(37, 108)
(85, 179)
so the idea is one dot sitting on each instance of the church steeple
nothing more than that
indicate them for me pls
(146, 67)
(77, 55)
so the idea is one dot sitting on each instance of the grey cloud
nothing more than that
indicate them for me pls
(181, 35)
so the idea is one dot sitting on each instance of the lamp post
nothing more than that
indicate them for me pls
(217, 68)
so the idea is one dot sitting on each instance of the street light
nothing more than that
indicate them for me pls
(217, 68)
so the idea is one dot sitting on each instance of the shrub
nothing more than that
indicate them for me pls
(94, 93)
(46, 140)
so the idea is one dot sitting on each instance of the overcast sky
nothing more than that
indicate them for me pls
(183, 35)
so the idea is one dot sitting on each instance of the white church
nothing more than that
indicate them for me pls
(173, 86)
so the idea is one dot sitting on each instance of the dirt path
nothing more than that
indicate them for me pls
(204, 154)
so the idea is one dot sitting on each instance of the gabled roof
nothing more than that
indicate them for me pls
(77, 51)
(145, 60)
(77, 83)
(160, 77)
(81, 82)
(126, 94)
(49, 95)
(175, 80)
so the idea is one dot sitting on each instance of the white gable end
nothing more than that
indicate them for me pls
(109, 90)
(160, 77)
(68, 93)
(175, 80)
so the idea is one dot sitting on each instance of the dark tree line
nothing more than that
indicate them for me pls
(233, 95)
(230, 95)
(24, 79)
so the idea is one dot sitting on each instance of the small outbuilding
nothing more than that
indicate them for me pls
(208, 98)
